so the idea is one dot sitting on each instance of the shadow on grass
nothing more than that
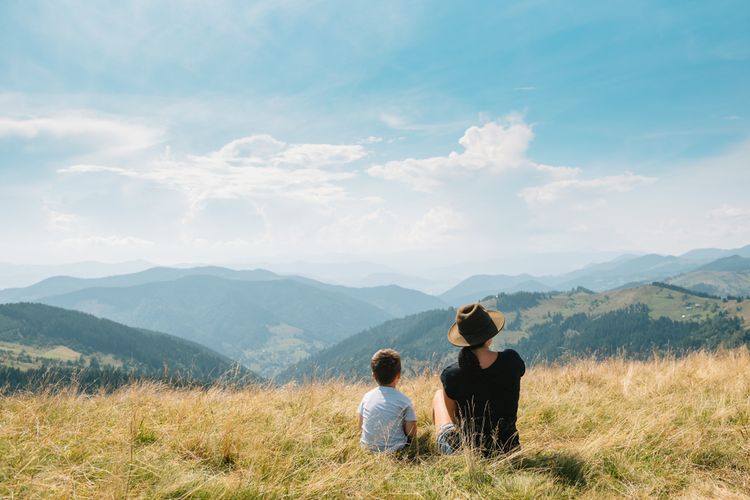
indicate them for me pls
(566, 468)
(420, 448)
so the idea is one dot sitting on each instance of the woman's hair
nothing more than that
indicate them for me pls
(468, 361)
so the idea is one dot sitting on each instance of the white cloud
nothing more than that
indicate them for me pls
(321, 154)
(395, 121)
(88, 242)
(61, 221)
(558, 172)
(370, 140)
(108, 136)
(368, 231)
(554, 191)
(436, 225)
(83, 168)
(264, 150)
(494, 147)
(359, 231)
(258, 165)
(726, 211)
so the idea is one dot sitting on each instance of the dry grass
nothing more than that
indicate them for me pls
(669, 428)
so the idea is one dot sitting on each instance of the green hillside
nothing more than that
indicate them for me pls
(661, 301)
(266, 325)
(37, 336)
(551, 326)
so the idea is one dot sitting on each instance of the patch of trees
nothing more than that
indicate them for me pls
(517, 301)
(684, 290)
(97, 378)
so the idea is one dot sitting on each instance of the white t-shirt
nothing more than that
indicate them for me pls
(383, 411)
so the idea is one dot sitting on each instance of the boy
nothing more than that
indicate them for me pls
(386, 416)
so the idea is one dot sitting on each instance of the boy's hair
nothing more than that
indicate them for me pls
(385, 365)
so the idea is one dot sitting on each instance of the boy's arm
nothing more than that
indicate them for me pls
(410, 421)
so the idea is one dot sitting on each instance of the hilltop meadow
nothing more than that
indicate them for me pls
(664, 427)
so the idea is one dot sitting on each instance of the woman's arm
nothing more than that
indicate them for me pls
(444, 410)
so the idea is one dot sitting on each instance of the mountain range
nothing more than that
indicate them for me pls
(270, 321)
(627, 270)
(262, 319)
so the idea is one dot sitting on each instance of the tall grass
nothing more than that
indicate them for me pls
(666, 427)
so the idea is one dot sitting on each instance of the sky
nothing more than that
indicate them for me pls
(413, 135)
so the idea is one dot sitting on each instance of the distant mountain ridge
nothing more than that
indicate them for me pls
(58, 285)
(21, 275)
(476, 287)
(730, 264)
(624, 271)
(395, 300)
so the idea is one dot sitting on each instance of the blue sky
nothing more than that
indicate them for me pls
(395, 132)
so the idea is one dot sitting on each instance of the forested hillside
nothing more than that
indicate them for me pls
(38, 341)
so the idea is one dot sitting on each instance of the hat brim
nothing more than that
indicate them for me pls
(455, 338)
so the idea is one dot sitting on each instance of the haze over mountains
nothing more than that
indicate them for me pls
(625, 270)
(20, 275)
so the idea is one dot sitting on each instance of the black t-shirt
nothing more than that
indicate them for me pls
(488, 401)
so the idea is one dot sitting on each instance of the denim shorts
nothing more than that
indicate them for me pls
(448, 439)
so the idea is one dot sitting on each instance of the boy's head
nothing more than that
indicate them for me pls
(386, 366)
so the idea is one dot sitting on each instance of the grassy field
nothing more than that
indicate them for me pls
(24, 356)
(662, 428)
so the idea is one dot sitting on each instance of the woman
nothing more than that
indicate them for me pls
(478, 404)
